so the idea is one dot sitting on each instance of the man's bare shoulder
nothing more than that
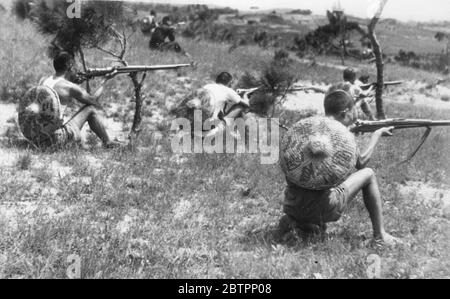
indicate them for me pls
(66, 83)
(70, 86)
(67, 89)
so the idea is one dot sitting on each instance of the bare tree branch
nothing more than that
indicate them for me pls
(108, 52)
(379, 61)
(143, 78)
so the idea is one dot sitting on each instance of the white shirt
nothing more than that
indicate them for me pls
(220, 96)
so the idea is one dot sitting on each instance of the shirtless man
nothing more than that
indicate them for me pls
(68, 93)
(149, 23)
(358, 94)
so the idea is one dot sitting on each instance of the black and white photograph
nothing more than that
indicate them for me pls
(224, 146)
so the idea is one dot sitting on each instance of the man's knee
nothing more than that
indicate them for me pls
(92, 111)
(369, 173)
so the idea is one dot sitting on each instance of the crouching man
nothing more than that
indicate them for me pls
(309, 209)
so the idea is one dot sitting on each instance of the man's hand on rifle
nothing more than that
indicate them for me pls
(245, 98)
(111, 75)
(386, 132)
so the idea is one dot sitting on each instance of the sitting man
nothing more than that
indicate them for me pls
(358, 94)
(163, 32)
(310, 210)
(68, 93)
(149, 23)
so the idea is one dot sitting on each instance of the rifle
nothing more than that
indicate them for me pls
(293, 89)
(372, 126)
(374, 84)
(100, 72)
(175, 26)
(179, 24)
(249, 91)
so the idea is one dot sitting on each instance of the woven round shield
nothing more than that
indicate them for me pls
(39, 114)
(318, 153)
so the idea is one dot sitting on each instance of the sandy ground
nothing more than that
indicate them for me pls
(7, 113)
(305, 101)
(410, 93)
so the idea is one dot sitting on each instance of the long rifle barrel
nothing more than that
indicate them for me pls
(387, 83)
(371, 126)
(98, 72)
(292, 89)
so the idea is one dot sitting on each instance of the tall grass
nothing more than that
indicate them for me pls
(22, 57)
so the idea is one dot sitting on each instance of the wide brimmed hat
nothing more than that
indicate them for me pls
(318, 153)
(39, 113)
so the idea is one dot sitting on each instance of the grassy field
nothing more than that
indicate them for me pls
(155, 214)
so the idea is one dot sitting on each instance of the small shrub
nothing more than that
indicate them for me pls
(24, 161)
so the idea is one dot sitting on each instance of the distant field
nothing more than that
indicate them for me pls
(409, 38)
(394, 35)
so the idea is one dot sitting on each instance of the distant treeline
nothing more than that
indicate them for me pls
(187, 9)
(305, 12)
(429, 62)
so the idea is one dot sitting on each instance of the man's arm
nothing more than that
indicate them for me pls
(73, 91)
(358, 93)
(364, 158)
(171, 34)
(367, 92)
(234, 97)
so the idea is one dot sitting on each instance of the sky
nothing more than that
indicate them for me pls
(405, 10)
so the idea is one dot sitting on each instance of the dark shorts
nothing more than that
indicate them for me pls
(315, 207)
(65, 135)
(61, 137)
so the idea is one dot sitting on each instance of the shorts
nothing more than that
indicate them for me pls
(61, 137)
(66, 134)
(315, 207)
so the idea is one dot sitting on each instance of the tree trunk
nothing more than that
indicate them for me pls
(380, 66)
(343, 36)
(137, 119)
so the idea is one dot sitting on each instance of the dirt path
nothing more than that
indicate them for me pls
(7, 113)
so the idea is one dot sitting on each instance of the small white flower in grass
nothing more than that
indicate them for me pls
(125, 225)
(182, 209)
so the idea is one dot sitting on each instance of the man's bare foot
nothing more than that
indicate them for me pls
(386, 239)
